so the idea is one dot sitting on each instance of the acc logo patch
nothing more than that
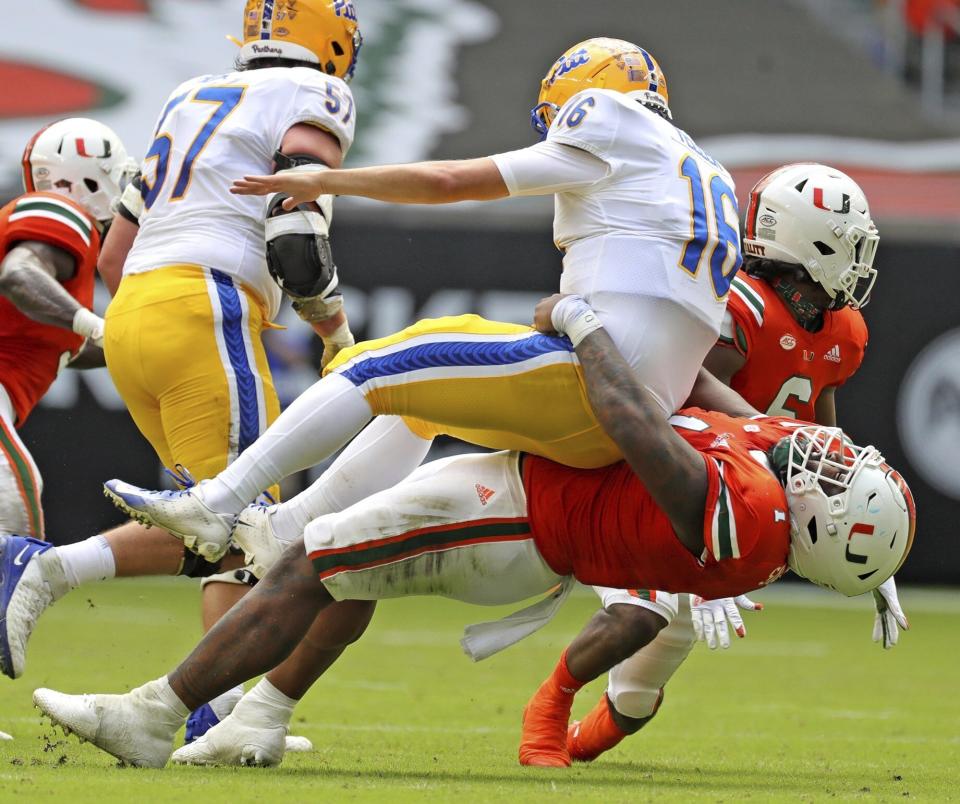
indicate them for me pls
(767, 220)
(788, 342)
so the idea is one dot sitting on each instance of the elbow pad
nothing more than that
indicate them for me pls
(299, 257)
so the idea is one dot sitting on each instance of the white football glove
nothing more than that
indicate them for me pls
(711, 618)
(890, 617)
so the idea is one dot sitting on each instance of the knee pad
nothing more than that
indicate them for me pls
(237, 577)
(193, 566)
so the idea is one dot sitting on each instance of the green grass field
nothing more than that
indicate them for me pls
(805, 708)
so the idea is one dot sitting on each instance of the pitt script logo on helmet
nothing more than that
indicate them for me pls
(82, 159)
(323, 32)
(818, 217)
(852, 517)
(600, 64)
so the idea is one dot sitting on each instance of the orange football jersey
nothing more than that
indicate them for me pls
(788, 367)
(603, 527)
(30, 352)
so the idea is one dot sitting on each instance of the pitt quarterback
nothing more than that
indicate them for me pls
(719, 502)
(202, 279)
(73, 171)
(791, 335)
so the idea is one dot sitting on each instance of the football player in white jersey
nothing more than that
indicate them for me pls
(201, 276)
(648, 224)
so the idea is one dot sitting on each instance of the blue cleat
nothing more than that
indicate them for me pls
(181, 513)
(201, 720)
(27, 588)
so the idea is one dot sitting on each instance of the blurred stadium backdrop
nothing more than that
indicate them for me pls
(870, 87)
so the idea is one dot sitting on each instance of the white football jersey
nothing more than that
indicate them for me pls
(214, 129)
(663, 220)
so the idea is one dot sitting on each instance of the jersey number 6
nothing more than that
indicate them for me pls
(713, 235)
(226, 99)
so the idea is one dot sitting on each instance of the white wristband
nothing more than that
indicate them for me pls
(573, 317)
(87, 323)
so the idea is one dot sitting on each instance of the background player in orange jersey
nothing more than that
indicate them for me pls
(792, 334)
(50, 237)
(715, 502)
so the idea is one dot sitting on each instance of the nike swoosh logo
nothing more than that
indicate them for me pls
(17, 562)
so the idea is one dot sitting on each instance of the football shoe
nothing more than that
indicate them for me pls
(254, 535)
(543, 741)
(137, 728)
(245, 737)
(182, 513)
(27, 587)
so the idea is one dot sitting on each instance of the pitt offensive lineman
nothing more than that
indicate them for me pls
(202, 279)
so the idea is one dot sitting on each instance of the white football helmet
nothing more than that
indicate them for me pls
(818, 217)
(852, 517)
(81, 159)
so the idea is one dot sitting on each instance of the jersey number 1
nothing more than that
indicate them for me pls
(226, 99)
(713, 235)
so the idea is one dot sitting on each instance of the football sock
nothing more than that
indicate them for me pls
(317, 423)
(89, 560)
(266, 702)
(562, 679)
(162, 690)
(223, 705)
(380, 457)
(595, 734)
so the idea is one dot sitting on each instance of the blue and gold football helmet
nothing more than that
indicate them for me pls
(601, 64)
(323, 32)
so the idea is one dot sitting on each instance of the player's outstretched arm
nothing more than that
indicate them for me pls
(417, 183)
(672, 471)
(28, 277)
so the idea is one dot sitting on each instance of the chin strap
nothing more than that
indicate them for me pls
(808, 315)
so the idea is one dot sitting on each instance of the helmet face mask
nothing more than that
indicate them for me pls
(601, 64)
(81, 159)
(852, 517)
(321, 32)
(817, 217)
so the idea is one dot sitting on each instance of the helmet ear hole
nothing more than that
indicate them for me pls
(92, 186)
(812, 530)
(337, 49)
(823, 248)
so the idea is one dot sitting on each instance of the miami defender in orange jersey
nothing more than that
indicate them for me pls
(719, 503)
(50, 238)
(49, 242)
(787, 341)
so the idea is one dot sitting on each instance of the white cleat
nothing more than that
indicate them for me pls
(137, 728)
(254, 535)
(297, 744)
(182, 513)
(245, 737)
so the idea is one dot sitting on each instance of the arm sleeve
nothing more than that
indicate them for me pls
(549, 167)
(323, 101)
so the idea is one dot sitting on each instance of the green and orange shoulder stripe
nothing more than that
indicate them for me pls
(746, 308)
(49, 218)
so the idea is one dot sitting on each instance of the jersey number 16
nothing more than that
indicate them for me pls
(713, 236)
